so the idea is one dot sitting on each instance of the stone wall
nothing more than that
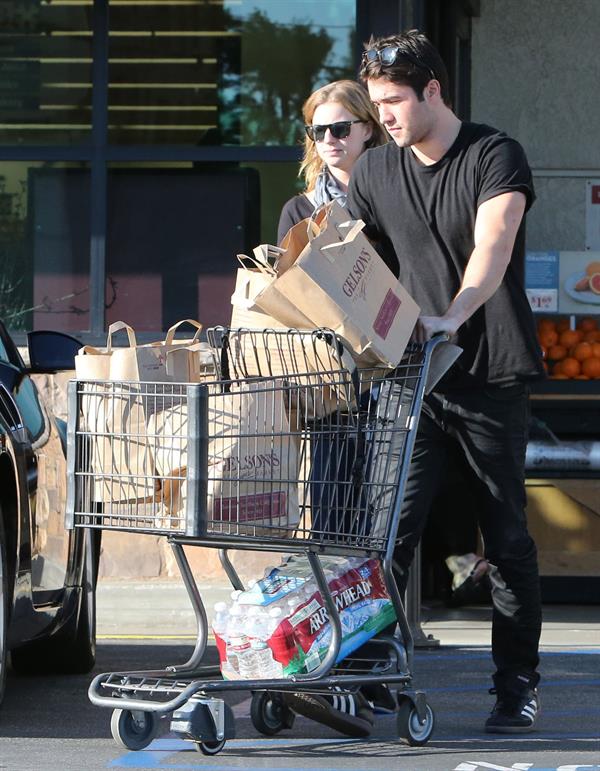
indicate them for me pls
(535, 76)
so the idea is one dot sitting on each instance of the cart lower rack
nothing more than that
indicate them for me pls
(291, 452)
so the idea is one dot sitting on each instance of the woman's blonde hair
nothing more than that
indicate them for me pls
(355, 99)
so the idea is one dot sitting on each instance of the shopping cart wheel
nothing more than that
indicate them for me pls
(411, 728)
(269, 713)
(210, 748)
(133, 730)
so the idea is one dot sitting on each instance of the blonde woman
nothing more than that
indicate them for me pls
(340, 124)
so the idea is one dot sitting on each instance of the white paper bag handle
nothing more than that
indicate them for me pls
(267, 270)
(312, 227)
(353, 230)
(171, 331)
(117, 326)
(346, 235)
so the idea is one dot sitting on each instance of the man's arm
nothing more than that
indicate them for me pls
(496, 226)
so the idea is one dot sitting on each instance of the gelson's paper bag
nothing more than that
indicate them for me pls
(332, 274)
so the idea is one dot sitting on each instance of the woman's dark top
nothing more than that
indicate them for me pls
(296, 209)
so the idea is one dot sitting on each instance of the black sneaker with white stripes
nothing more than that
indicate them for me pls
(348, 713)
(513, 712)
(379, 698)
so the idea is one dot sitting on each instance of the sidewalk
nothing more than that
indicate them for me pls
(162, 608)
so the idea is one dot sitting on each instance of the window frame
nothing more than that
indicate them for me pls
(98, 154)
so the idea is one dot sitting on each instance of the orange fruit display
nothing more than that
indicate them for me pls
(548, 338)
(587, 325)
(570, 367)
(569, 338)
(567, 351)
(546, 325)
(592, 336)
(591, 367)
(557, 352)
(581, 351)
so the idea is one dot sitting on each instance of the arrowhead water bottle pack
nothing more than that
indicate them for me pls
(280, 625)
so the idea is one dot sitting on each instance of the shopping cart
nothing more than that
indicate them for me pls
(321, 457)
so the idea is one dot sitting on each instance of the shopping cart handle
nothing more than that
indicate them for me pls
(443, 356)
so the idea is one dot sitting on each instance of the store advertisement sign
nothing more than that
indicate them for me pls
(563, 282)
(541, 281)
(592, 215)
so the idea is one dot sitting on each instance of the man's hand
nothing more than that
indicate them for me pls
(428, 326)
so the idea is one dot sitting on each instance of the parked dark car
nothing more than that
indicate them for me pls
(47, 573)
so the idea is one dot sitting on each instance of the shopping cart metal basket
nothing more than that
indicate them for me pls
(292, 450)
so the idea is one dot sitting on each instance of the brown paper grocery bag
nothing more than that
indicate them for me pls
(251, 282)
(140, 363)
(115, 410)
(252, 462)
(120, 456)
(148, 362)
(115, 423)
(339, 281)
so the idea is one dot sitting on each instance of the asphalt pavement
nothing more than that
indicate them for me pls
(455, 674)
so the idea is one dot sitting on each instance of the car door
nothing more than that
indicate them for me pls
(43, 460)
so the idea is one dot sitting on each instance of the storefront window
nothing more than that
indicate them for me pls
(185, 77)
(44, 246)
(45, 72)
(232, 72)
(174, 233)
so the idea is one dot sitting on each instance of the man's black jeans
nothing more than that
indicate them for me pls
(490, 427)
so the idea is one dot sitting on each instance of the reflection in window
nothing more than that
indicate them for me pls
(224, 72)
(288, 48)
(45, 71)
(44, 246)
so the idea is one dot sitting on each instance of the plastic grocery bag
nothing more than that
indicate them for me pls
(298, 637)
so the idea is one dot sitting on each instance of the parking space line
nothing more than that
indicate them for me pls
(155, 756)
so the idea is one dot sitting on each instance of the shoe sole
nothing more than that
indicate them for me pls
(509, 729)
(316, 708)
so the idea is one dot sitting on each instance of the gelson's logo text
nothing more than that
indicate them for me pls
(358, 270)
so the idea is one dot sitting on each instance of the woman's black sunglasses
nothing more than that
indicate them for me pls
(339, 130)
(388, 55)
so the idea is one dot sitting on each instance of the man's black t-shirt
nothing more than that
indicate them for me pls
(423, 219)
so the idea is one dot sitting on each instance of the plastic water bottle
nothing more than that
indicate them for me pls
(219, 625)
(240, 656)
(257, 626)
(235, 636)
(275, 617)
(220, 618)
(263, 664)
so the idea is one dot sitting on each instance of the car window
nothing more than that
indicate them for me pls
(30, 409)
(4, 353)
(8, 351)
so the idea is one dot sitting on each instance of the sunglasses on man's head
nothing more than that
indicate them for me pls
(339, 130)
(388, 55)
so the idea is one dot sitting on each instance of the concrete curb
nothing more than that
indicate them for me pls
(162, 608)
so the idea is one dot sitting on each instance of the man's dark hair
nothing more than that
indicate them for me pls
(417, 62)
